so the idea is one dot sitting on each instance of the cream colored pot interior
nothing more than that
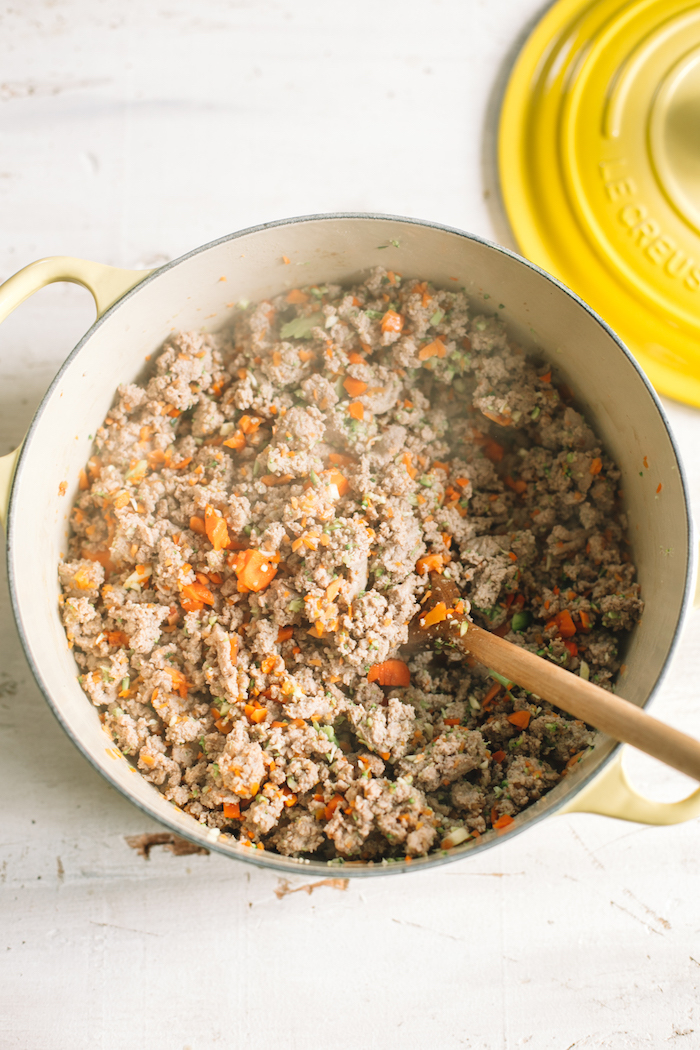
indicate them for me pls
(201, 291)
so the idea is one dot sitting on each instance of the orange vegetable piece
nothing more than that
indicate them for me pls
(333, 588)
(285, 633)
(216, 527)
(237, 440)
(196, 592)
(232, 811)
(406, 460)
(340, 481)
(503, 822)
(356, 359)
(183, 463)
(392, 322)
(341, 460)
(521, 719)
(117, 638)
(571, 647)
(546, 378)
(596, 465)
(254, 571)
(256, 715)
(434, 349)
(356, 409)
(197, 525)
(180, 683)
(249, 424)
(297, 296)
(83, 482)
(493, 451)
(439, 465)
(233, 645)
(585, 620)
(391, 672)
(498, 756)
(332, 806)
(429, 563)
(354, 387)
(491, 695)
(436, 615)
(103, 557)
(452, 721)
(567, 627)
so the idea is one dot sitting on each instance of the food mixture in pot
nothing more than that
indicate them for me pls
(258, 526)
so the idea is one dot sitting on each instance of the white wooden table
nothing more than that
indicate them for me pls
(131, 132)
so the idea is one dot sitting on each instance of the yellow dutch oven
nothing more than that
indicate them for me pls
(137, 310)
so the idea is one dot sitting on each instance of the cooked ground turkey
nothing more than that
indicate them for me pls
(256, 528)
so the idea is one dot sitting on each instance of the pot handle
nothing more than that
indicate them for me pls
(611, 795)
(106, 283)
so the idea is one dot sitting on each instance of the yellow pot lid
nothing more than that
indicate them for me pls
(599, 161)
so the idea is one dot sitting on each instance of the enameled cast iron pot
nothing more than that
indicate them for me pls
(137, 310)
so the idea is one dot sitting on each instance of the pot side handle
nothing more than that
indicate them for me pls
(106, 283)
(611, 795)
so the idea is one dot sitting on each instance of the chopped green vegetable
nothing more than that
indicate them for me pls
(520, 621)
(300, 327)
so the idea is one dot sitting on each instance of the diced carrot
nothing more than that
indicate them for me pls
(180, 683)
(406, 460)
(521, 719)
(271, 480)
(341, 460)
(574, 760)
(567, 627)
(216, 528)
(491, 695)
(196, 592)
(436, 615)
(232, 811)
(332, 806)
(339, 480)
(498, 756)
(503, 822)
(103, 557)
(585, 620)
(429, 563)
(285, 633)
(254, 570)
(596, 465)
(117, 638)
(333, 588)
(83, 482)
(434, 349)
(356, 409)
(182, 464)
(439, 465)
(256, 715)
(392, 322)
(305, 355)
(453, 721)
(249, 424)
(236, 441)
(658, 488)
(390, 672)
(356, 359)
(501, 418)
(571, 647)
(197, 525)
(297, 296)
(121, 500)
(493, 451)
(354, 387)
(546, 378)
(233, 646)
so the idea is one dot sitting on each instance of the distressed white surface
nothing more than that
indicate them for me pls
(131, 132)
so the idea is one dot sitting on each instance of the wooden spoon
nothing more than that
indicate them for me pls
(617, 717)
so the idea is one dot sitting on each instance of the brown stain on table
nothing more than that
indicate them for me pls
(284, 886)
(143, 844)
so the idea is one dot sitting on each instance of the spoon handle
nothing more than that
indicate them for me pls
(619, 718)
